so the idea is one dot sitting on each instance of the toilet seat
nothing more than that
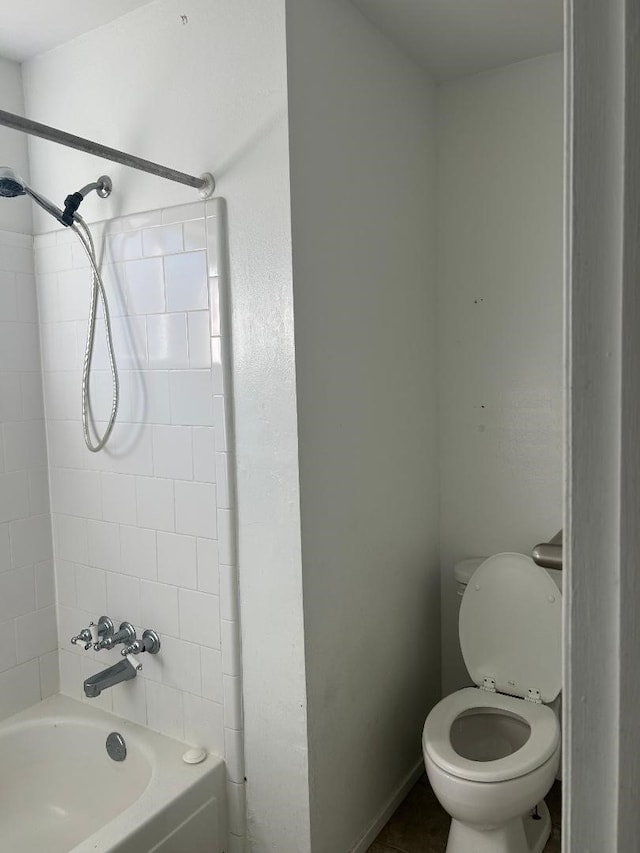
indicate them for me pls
(510, 628)
(544, 737)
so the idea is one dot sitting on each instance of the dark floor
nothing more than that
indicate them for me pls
(420, 825)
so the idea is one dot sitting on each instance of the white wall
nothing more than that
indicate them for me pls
(362, 136)
(144, 531)
(500, 186)
(28, 661)
(15, 214)
(211, 95)
(600, 811)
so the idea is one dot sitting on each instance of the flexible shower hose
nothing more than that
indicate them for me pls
(83, 233)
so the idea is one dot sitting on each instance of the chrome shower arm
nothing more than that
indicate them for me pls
(72, 202)
(102, 186)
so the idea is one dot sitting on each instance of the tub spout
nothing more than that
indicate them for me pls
(123, 670)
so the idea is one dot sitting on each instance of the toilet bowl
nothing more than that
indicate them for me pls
(492, 751)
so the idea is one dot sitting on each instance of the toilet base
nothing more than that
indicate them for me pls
(524, 835)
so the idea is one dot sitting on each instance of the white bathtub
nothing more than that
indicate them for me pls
(60, 792)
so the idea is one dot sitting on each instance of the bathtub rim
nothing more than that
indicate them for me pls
(175, 789)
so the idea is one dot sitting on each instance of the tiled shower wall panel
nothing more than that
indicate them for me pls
(28, 638)
(144, 531)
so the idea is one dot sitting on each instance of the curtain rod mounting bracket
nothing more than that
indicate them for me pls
(208, 185)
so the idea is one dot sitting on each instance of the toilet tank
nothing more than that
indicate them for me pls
(465, 568)
(463, 571)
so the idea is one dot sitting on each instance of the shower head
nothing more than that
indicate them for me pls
(11, 185)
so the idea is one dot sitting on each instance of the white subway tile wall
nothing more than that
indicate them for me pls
(141, 531)
(28, 633)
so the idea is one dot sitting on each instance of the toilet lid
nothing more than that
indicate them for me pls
(511, 627)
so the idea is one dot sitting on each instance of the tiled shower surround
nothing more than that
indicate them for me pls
(144, 531)
(28, 639)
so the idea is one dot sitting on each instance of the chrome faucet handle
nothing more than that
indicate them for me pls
(126, 634)
(150, 642)
(105, 626)
(85, 636)
(133, 649)
(93, 632)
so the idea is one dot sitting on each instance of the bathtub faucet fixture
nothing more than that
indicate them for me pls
(125, 634)
(150, 642)
(126, 668)
(94, 633)
(121, 671)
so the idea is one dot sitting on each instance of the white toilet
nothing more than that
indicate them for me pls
(492, 751)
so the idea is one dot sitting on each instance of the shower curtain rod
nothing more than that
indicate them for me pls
(205, 183)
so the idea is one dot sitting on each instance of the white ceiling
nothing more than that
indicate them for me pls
(450, 38)
(33, 26)
(455, 38)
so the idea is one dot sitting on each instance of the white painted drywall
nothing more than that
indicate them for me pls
(15, 214)
(211, 95)
(601, 599)
(500, 152)
(362, 137)
(629, 631)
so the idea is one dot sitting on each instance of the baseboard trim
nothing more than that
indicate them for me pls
(391, 805)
